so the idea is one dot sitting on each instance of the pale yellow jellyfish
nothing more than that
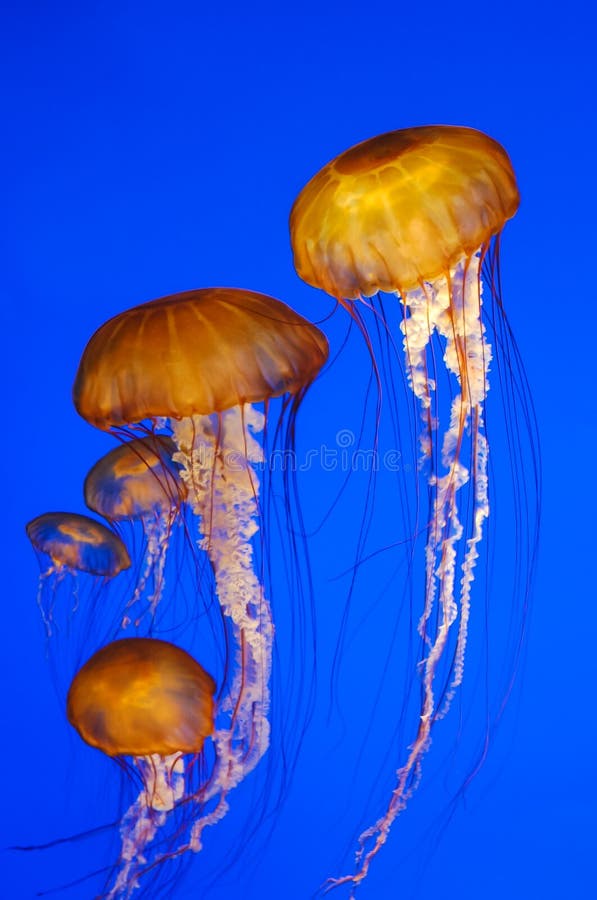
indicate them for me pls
(69, 544)
(195, 364)
(414, 213)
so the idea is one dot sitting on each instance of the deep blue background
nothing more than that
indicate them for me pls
(148, 151)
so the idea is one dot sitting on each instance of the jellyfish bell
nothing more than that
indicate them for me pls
(200, 364)
(195, 353)
(75, 542)
(135, 480)
(151, 701)
(138, 481)
(143, 697)
(401, 210)
(418, 213)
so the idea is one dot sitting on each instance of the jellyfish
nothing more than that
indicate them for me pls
(148, 700)
(418, 214)
(73, 544)
(198, 365)
(138, 481)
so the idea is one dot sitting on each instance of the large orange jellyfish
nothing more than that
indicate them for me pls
(196, 364)
(139, 481)
(418, 213)
(150, 700)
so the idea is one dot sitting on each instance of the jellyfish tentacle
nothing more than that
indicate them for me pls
(157, 530)
(468, 357)
(163, 778)
(450, 307)
(218, 455)
(480, 453)
(163, 786)
(47, 616)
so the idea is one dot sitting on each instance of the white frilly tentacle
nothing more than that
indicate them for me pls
(217, 455)
(450, 308)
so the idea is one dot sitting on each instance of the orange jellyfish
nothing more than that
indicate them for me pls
(197, 364)
(139, 481)
(150, 700)
(418, 214)
(72, 544)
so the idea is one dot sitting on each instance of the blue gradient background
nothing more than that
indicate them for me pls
(148, 151)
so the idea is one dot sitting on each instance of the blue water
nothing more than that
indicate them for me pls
(149, 151)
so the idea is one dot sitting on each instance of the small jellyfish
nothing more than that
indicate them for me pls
(418, 214)
(148, 700)
(139, 481)
(197, 364)
(73, 544)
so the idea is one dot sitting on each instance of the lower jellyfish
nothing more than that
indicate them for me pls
(138, 481)
(418, 213)
(148, 701)
(194, 364)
